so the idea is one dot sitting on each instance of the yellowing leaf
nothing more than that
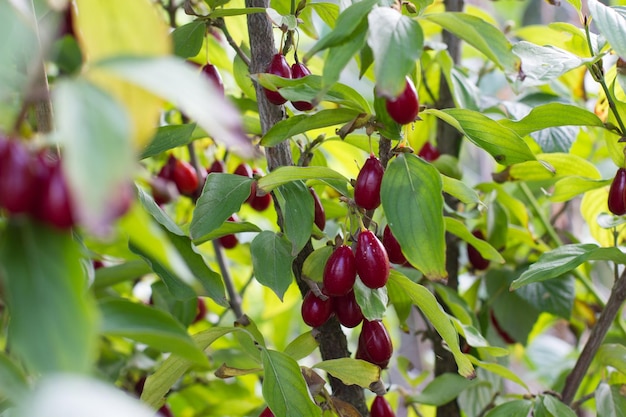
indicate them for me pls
(594, 203)
(108, 28)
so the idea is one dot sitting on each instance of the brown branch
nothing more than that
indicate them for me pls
(596, 337)
(220, 24)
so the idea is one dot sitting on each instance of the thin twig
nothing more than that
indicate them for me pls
(234, 299)
(219, 23)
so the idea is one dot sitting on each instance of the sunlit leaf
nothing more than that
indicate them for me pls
(552, 115)
(302, 346)
(284, 175)
(351, 371)
(457, 228)
(553, 166)
(501, 370)
(614, 355)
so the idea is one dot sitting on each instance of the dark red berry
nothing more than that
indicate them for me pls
(372, 261)
(165, 411)
(17, 179)
(214, 76)
(340, 271)
(163, 191)
(381, 408)
(501, 332)
(244, 170)
(320, 214)
(393, 247)
(475, 258)
(278, 66)
(367, 187)
(375, 342)
(347, 310)
(229, 241)
(429, 152)
(617, 193)
(201, 310)
(316, 311)
(217, 166)
(404, 108)
(185, 177)
(256, 201)
(299, 70)
(266, 413)
(54, 204)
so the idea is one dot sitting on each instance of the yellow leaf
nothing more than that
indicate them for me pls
(109, 28)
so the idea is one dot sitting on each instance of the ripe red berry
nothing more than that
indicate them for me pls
(617, 193)
(340, 271)
(367, 187)
(266, 413)
(372, 261)
(229, 241)
(316, 311)
(244, 170)
(17, 179)
(185, 177)
(381, 408)
(393, 247)
(165, 411)
(54, 204)
(375, 342)
(501, 332)
(475, 258)
(214, 76)
(299, 70)
(278, 66)
(429, 152)
(217, 166)
(256, 201)
(201, 310)
(320, 214)
(404, 108)
(347, 310)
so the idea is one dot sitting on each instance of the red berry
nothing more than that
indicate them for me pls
(372, 261)
(185, 177)
(320, 214)
(266, 413)
(17, 178)
(429, 152)
(278, 66)
(54, 204)
(229, 241)
(244, 170)
(316, 311)
(256, 201)
(217, 166)
(165, 411)
(404, 108)
(214, 76)
(299, 70)
(617, 193)
(347, 310)
(201, 310)
(375, 342)
(394, 251)
(367, 187)
(163, 191)
(501, 332)
(475, 258)
(340, 271)
(381, 408)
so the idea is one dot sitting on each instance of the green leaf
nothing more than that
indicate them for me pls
(115, 274)
(457, 228)
(515, 408)
(506, 146)
(443, 389)
(271, 261)
(224, 12)
(222, 195)
(611, 25)
(412, 199)
(500, 370)
(302, 346)
(460, 190)
(373, 302)
(315, 263)
(614, 355)
(481, 35)
(188, 38)
(298, 211)
(428, 304)
(98, 156)
(301, 123)
(148, 325)
(13, 383)
(552, 115)
(389, 127)
(189, 90)
(284, 388)
(175, 366)
(53, 321)
(339, 56)
(553, 406)
(168, 137)
(610, 401)
(351, 371)
(396, 39)
(228, 228)
(284, 175)
(555, 296)
(564, 259)
(542, 64)
(157, 213)
(569, 187)
(552, 166)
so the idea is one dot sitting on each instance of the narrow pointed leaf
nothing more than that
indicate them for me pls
(552, 115)
(284, 175)
(458, 229)
(168, 137)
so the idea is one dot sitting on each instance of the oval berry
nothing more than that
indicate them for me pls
(316, 311)
(372, 261)
(381, 408)
(367, 187)
(17, 179)
(277, 66)
(244, 170)
(429, 152)
(229, 241)
(217, 166)
(266, 413)
(376, 342)
(211, 72)
(299, 70)
(54, 204)
(394, 251)
(404, 108)
(475, 258)
(347, 310)
(320, 214)
(617, 193)
(185, 177)
(256, 201)
(340, 271)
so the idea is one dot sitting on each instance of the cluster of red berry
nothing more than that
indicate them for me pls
(34, 184)
(279, 66)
